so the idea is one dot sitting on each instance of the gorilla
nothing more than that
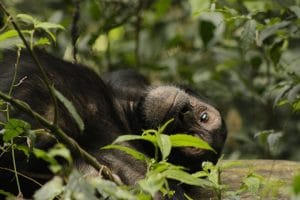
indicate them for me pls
(121, 102)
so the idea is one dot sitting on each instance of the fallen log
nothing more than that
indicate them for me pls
(252, 179)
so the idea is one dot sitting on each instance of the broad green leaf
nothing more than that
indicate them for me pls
(124, 138)
(26, 18)
(109, 189)
(186, 178)
(42, 42)
(39, 153)
(207, 31)
(8, 34)
(164, 144)
(252, 182)
(62, 151)
(183, 140)
(282, 102)
(152, 183)
(48, 25)
(78, 188)
(54, 165)
(71, 109)
(50, 190)
(137, 155)
(200, 174)
(23, 148)
(14, 128)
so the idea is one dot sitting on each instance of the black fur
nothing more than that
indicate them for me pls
(123, 103)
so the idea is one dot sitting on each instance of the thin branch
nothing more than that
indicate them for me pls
(61, 136)
(36, 61)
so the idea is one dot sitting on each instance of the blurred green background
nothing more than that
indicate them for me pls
(244, 56)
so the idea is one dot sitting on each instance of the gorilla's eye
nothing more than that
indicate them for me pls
(204, 117)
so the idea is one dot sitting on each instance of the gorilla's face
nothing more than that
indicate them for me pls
(191, 116)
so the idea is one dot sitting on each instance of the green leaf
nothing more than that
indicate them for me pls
(152, 183)
(164, 144)
(71, 109)
(269, 31)
(109, 190)
(14, 128)
(206, 30)
(26, 18)
(252, 183)
(78, 188)
(276, 52)
(163, 128)
(42, 42)
(124, 138)
(48, 25)
(62, 151)
(183, 140)
(186, 178)
(54, 165)
(23, 148)
(199, 6)
(50, 190)
(8, 34)
(137, 155)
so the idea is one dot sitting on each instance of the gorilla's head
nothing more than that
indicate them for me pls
(191, 116)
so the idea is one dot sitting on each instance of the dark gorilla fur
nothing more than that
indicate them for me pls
(123, 103)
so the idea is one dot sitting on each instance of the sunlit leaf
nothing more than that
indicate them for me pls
(186, 178)
(164, 144)
(183, 140)
(14, 128)
(124, 138)
(61, 151)
(26, 18)
(78, 188)
(109, 189)
(137, 155)
(152, 183)
(48, 25)
(50, 190)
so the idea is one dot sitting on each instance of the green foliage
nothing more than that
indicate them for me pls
(159, 170)
(14, 128)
